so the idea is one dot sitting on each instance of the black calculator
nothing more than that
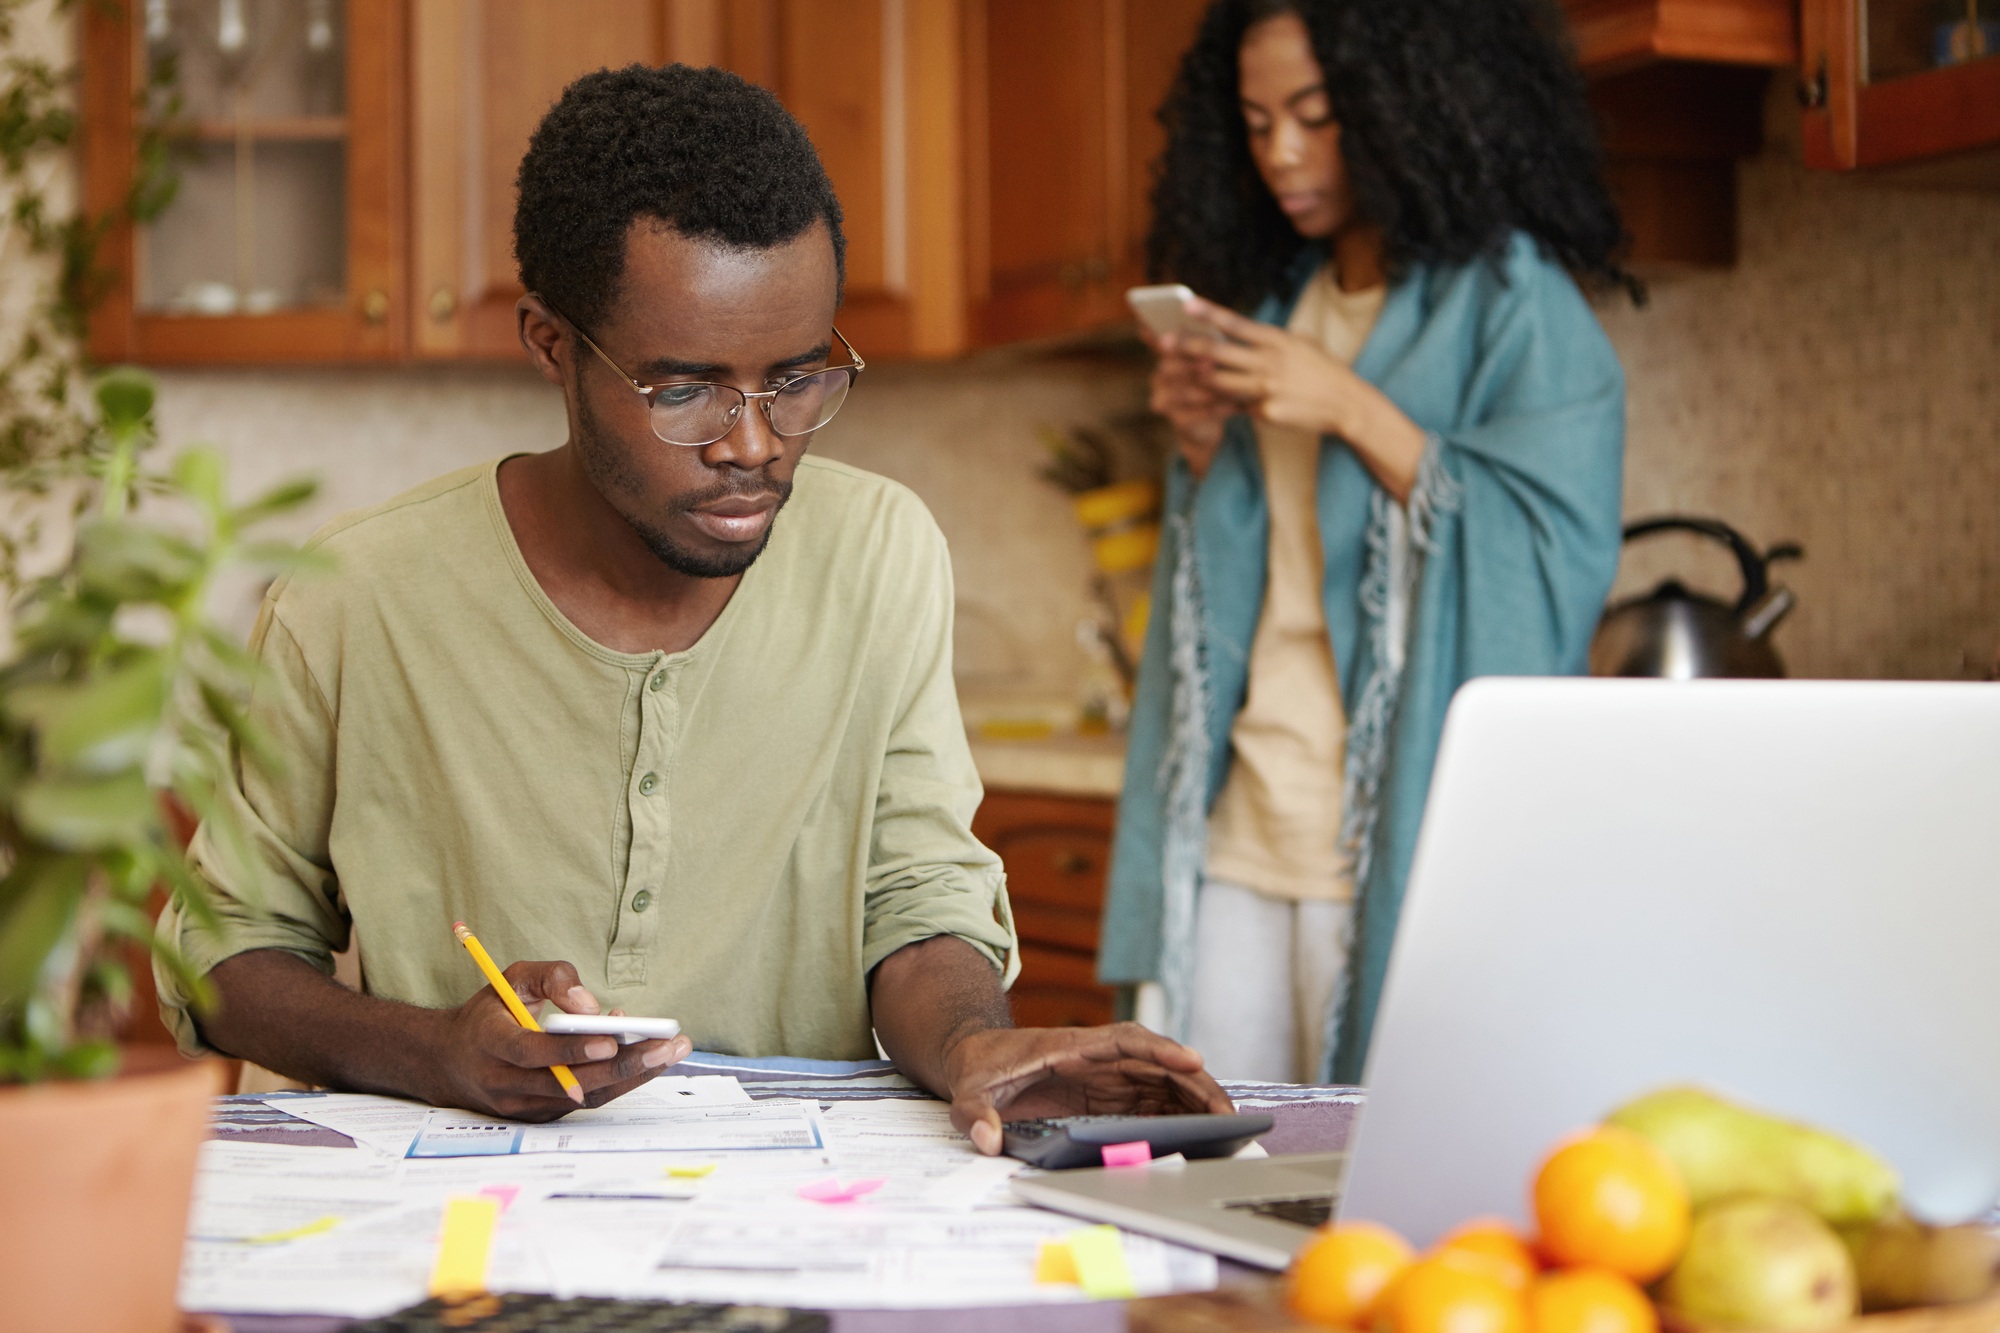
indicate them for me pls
(522, 1312)
(1080, 1140)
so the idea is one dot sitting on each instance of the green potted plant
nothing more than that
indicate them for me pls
(118, 696)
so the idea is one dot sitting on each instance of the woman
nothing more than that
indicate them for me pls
(1403, 472)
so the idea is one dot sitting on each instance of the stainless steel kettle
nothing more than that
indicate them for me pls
(1682, 635)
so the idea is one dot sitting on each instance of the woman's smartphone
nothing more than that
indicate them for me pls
(1163, 309)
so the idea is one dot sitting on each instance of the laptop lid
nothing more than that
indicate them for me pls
(1788, 892)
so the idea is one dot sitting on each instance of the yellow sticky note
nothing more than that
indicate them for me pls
(1099, 1253)
(464, 1243)
(1055, 1264)
(312, 1228)
(691, 1172)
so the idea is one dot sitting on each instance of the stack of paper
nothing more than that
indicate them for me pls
(684, 1189)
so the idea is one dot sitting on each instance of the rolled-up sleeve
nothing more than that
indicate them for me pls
(274, 888)
(928, 875)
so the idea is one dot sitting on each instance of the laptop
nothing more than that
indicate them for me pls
(1785, 891)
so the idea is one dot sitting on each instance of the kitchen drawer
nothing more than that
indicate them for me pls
(1066, 928)
(1056, 849)
(1058, 988)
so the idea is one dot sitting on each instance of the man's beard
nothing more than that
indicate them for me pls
(624, 487)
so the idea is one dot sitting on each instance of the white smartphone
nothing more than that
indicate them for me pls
(622, 1026)
(1163, 309)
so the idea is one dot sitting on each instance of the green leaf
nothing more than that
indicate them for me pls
(280, 499)
(200, 473)
(88, 1059)
(129, 561)
(38, 904)
(100, 725)
(125, 399)
(87, 815)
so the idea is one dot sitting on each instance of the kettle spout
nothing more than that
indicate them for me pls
(1763, 616)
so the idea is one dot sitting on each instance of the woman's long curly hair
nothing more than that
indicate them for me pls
(1461, 122)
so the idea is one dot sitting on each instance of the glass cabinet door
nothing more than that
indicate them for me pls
(283, 239)
(258, 224)
(1905, 37)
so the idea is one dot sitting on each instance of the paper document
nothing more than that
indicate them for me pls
(748, 1127)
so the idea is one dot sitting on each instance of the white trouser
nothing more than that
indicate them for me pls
(1265, 973)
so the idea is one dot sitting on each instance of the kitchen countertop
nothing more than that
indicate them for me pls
(1063, 764)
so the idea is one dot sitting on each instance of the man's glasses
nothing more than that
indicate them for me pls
(694, 414)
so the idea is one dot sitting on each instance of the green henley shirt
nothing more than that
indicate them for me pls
(732, 836)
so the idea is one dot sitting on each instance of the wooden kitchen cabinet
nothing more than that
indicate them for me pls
(285, 240)
(1057, 850)
(990, 156)
(1888, 82)
(1062, 138)
(863, 78)
(1678, 90)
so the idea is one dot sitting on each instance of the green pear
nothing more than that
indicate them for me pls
(1724, 1149)
(1756, 1263)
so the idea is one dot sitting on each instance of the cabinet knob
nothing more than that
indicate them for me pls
(443, 304)
(1071, 863)
(375, 306)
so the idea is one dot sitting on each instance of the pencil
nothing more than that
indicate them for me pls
(513, 1003)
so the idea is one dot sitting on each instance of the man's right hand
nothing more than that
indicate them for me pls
(490, 1063)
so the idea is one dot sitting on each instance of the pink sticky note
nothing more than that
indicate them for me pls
(504, 1195)
(1137, 1153)
(831, 1190)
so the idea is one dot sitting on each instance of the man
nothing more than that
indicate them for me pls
(563, 698)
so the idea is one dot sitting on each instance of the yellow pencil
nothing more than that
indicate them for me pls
(513, 1003)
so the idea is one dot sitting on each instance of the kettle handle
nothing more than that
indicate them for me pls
(1755, 580)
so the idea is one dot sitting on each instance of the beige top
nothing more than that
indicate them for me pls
(1276, 824)
(732, 836)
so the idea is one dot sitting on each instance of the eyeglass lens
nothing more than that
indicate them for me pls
(696, 414)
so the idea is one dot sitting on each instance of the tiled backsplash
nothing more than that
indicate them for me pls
(1840, 387)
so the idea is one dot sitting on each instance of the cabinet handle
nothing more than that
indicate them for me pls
(1812, 91)
(375, 306)
(1071, 863)
(443, 304)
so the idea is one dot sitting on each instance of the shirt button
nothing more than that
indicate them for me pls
(658, 682)
(649, 784)
(642, 900)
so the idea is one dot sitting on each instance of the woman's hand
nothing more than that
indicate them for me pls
(1197, 411)
(1285, 380)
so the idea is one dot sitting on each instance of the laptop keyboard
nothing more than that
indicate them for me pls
(1307, 1210)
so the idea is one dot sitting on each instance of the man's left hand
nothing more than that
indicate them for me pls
(1124, 1069)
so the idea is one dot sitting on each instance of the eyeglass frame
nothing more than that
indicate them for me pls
(766, 396)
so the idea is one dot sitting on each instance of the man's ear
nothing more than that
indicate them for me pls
(544, 335)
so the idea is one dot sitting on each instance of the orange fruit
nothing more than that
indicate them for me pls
(1610, 1199)
(1442, 1294)
(1339, 1277)
(1495, 1246)
(1590, 1300)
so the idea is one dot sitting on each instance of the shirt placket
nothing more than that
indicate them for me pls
(640, 904)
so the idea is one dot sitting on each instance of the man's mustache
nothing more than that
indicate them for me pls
(740, 486)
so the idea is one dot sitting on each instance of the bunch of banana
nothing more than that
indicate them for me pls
(1796, 1228)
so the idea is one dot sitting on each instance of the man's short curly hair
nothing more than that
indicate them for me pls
(698, 149)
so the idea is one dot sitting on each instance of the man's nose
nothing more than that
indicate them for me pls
(750, 443)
